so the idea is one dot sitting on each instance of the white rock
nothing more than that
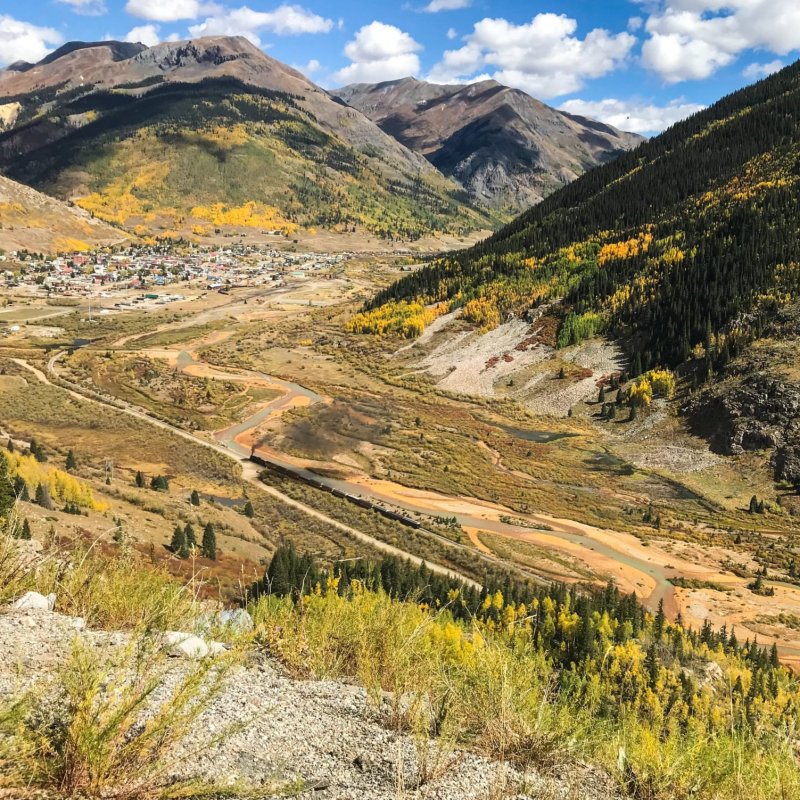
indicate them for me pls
(185, 645)
(216, 648)
(33, 601)
(238, 619)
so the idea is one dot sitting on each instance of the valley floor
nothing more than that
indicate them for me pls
(450, 430)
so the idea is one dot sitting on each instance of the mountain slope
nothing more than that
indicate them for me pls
(150, 138)
(30, 220)
(507, 149)
(680, 248)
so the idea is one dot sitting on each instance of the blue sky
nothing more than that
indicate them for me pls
(638, 64)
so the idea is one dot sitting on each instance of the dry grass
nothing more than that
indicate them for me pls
(110, 730)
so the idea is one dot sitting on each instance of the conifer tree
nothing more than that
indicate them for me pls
(195, 498)
(209, 542)
(139, 479)
(7, 495)
(189, 537)
(21, 489)
(25, 531)
(43, 498)
(70, 463)
(249, 511)
(178, 543)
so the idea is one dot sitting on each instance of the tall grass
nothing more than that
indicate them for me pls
(497, 693)
(119, 591)
(112, 729)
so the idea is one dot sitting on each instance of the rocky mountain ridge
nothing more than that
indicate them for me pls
(506, 148)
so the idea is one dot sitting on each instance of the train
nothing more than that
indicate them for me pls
(361, 502)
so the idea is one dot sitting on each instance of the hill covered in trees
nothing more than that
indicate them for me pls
(680, 248)
(211, 133)
(669, 711)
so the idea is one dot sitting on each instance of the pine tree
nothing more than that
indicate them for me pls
(25, 532)
(249, 511)
(139, 479)
(189, 536)
(21, 489)
(10, 445)
(658, 623)
(753, 505)
(70, 463)
(195, 498)
(601, 395)
(7, 495)
(178, 543)
(43, 497)
(209, 542)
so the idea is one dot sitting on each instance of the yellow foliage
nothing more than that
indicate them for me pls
(641, 392)
(407, 319)
(63, 487)
(482, 311)
(249, 215)
(68, 244)
(663, 382)
(627, 249)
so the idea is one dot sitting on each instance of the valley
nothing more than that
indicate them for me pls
(493, 480)
(410, 414)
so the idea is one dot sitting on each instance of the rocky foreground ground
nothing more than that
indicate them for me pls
(320, 739)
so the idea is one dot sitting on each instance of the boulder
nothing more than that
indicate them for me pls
(33, 601)
(237, 619)
(185, 645)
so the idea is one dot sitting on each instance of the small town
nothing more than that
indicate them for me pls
(149, 267)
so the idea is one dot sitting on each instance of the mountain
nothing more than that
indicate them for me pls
(678, 247)
(30, 220)
(506, 148)
(212, 132)
(684, 253)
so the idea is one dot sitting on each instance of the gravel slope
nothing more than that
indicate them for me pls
(266, 728)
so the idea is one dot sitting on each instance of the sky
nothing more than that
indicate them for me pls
(640, 65)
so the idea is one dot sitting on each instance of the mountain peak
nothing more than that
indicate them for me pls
(118, 51)
(505, 147)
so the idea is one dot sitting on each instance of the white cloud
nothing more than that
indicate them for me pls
(89, 8)
(757, 71)
(169, 10)
(633, 115)
(146, 34)
(692, 39)
(446, 5)
(22, 41)
(379, 52)
(244, 21)
(452, 33)
(542, 57)
(310, 68)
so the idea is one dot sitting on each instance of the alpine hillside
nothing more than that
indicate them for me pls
(212, 132)
(680, 248)
(30, 220)
(681, 255)
(505, 148)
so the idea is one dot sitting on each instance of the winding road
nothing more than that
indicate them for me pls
(619, 556)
